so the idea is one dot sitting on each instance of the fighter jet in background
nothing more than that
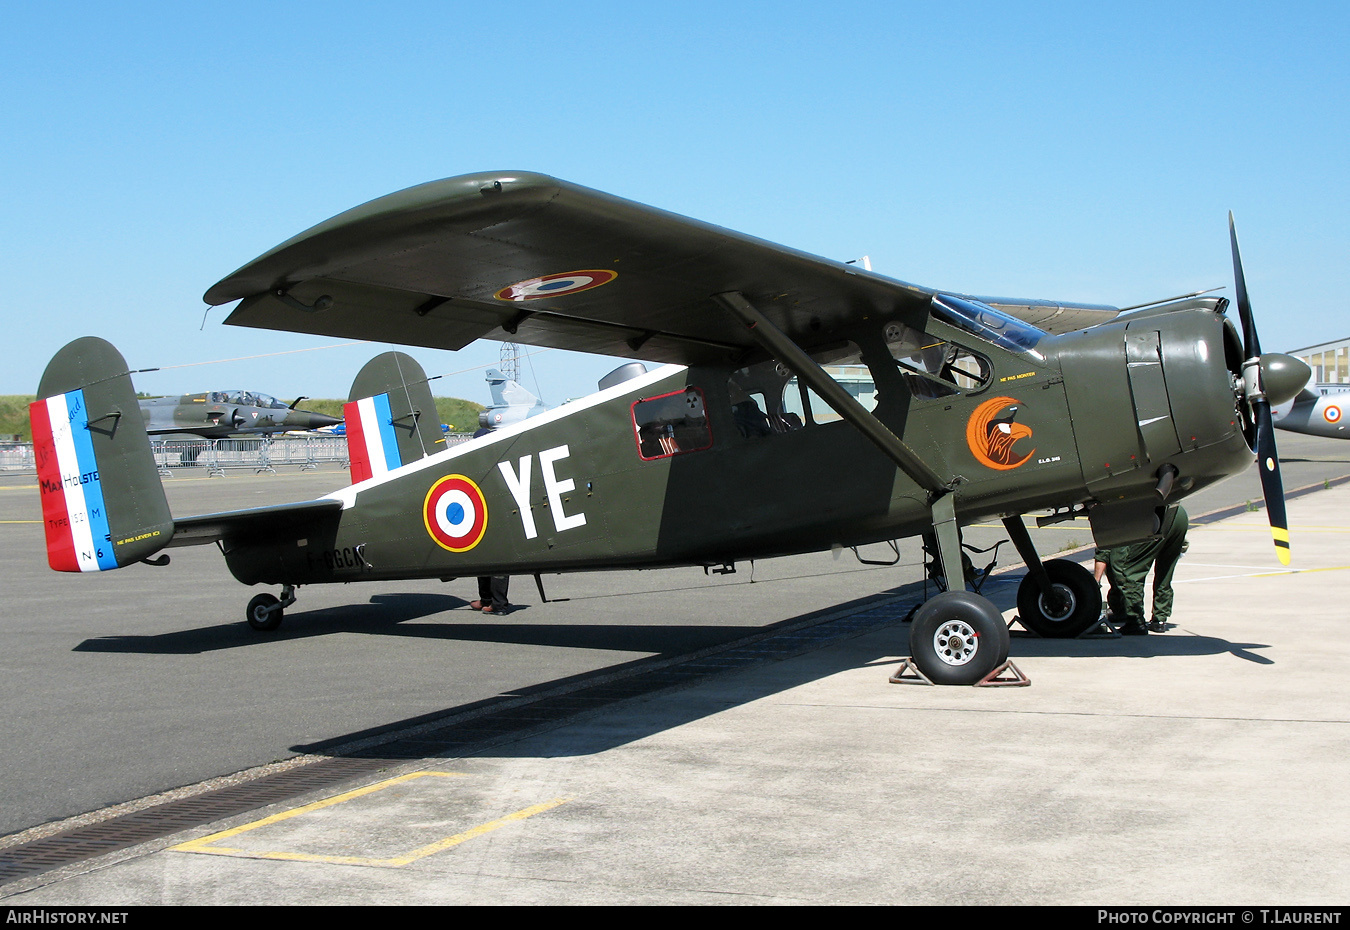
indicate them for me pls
(1315, 414)
(223, 414)
(511, 403)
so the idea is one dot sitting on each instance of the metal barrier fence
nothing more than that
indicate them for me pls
(217, 455)
(16, 456)
(258, 455)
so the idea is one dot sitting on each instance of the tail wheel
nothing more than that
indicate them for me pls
(958, 638)
(1073, 609)
(264, 613)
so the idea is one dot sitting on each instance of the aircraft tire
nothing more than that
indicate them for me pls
(957, 638)
(257, 614)
(1083, 609)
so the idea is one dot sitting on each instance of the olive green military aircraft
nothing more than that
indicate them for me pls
(745, 444)
(226, 414)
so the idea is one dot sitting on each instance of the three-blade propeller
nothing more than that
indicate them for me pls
(1258, 404)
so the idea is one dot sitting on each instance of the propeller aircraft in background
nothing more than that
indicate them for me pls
(745, 444)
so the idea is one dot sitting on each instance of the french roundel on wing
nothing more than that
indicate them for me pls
(455, 513)
(556, 285)
(1332, 413)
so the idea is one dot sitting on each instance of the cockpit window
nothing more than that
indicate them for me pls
(980, 319)
(933, 367)
(245, 398)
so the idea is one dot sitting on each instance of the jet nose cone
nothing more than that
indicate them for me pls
(303, 419)
(1282, 376)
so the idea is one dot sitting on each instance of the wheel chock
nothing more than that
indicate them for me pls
(1102, 629)
(908, 674)
(1006, 675)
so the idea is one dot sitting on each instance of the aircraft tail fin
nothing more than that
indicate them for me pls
(391, 416)
(508, 393)
(103, 506)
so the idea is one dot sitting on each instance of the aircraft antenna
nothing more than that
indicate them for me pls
(510, 361)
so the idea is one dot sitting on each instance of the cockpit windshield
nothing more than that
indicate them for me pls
(988, 322)
(245, 398)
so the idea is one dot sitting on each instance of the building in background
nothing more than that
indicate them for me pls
(1330, 363)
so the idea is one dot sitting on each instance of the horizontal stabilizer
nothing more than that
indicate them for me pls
(241, 525)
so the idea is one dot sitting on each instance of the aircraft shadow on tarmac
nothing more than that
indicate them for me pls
(1175, 643)
(658, 716)
(384, 614)
(690, 705)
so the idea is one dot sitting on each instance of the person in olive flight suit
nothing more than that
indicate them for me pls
(1127, 567)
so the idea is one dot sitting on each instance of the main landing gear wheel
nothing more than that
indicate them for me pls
(260, 617)
(1078, 607)
(958, 638)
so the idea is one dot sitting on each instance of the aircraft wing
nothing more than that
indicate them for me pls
(527, 258)
(245, 524)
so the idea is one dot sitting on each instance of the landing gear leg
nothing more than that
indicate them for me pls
(949, 542)
(264, 612)
(966, 625)
(957, 637)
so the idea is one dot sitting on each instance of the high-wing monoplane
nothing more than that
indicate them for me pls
(225, 414)
(745, 444)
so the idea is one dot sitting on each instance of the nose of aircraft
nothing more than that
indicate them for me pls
(1283, 376)
(306, 420)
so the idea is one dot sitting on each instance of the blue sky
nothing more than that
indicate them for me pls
(1073, 151)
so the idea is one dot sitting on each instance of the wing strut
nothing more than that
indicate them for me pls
(941, 500)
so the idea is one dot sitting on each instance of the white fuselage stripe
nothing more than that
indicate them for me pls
(633, 386)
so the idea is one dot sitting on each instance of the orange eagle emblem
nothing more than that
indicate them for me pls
(992, 431)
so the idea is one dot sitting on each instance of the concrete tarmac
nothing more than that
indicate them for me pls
(1201, 766)
(129, 683)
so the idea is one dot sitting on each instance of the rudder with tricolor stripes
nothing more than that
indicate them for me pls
(103, 506)
(391, 416)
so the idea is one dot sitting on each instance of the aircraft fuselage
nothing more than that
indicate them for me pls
(711, 465)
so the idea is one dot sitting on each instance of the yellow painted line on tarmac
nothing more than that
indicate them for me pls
(1303, 571)
(1264, 574)
(477, 831)
(1264, 528)
(206, 845)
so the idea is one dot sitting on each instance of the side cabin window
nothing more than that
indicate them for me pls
(757, 405)
(843, 363)
(671, 424)
(767, 398)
